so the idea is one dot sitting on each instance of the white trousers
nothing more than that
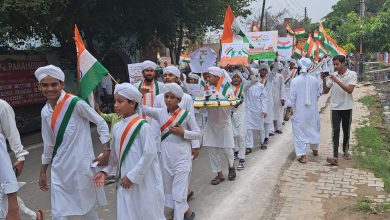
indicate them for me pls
(239, 146)
(176, 190)
(91, 215)
(215, 154)
(249, 137)
(267, 128)
(23, 209)
(301, 148)
(278, 124)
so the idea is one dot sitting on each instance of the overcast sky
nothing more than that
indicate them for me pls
(316, 9)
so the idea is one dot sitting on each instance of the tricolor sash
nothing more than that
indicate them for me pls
(177, 118)
(292, 75)
(264, 81)
(154, 90)
(238, 91)
(60, 119)
(128, 136)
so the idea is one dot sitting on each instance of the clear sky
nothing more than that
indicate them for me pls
(316, 9)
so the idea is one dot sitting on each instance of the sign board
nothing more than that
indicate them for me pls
(18, 85)
(135, 72)
(285, 48)
(234, 54)
(264, 45)
(202, 59)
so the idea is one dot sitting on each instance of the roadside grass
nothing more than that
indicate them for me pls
(371, 208)
(373, 142)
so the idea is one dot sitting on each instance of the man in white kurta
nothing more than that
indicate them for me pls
(149, 87)
(72, 190)
(256, 112)
(278, 96)
(175, 159)
(218, 133)
(304, 93)
(8, 182)
(144, 200)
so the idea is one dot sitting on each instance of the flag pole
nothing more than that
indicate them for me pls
(113, 78)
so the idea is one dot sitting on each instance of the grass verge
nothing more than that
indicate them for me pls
(373, 148)
(371, 208)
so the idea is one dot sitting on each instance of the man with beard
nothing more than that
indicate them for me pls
(149, 87)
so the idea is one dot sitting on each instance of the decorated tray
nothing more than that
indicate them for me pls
(200, 102)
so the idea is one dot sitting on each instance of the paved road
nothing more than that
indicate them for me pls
(248, 197)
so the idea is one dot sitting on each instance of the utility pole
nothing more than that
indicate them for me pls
(262, 16)
(305, 14)
(362, 10)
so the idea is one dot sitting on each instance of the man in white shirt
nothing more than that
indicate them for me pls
(341, 85)
(9, 185)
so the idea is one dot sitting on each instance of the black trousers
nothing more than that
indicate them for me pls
(344, 117)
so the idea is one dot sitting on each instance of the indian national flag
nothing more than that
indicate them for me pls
(299, 32)
(315, 35)
(331, 44)
(90, 71)
(185, 58)
(321, 49)
(309, 45)
(313, 53)
(159, 60)
(297, 53)
(289, 29)
(231, 29)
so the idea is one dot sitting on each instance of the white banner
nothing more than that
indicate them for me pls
(202, 59)
(264, 45)
(135, 72)
(285, 48)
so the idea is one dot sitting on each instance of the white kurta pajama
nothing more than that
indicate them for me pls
(218, 134)
(175, 160)
(144, 200)
(239, 127)
(256, 103)
(278, 94)
(148, 99)
(304, 93)
(72, 187)
(268, 121)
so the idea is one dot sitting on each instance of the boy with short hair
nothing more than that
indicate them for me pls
(68, 148)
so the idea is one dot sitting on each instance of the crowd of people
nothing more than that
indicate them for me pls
(156, 133)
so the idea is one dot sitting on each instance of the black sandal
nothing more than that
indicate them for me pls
(217, 180)
(232, 173)
(248, 151)
(263, 147)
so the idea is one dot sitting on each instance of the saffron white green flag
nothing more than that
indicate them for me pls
(90, 70)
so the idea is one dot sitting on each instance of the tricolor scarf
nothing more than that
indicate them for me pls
(128, 136)
(264, 81)
(292, 75)
(238, 91)
(225, 87)
(177, 118)
(60, 119)
(154, 90)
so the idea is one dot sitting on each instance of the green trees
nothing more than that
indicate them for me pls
(103, 23)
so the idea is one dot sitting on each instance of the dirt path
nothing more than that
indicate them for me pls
(318, 191)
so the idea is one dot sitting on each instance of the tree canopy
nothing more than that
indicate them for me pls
(102, 23)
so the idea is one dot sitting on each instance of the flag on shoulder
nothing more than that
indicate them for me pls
(90, 70)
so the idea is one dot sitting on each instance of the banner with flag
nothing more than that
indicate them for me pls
(330, 44)
(264, 45)
(90, 71)
(232, 32)
(285, 48)
(299, 32)
(202, 59)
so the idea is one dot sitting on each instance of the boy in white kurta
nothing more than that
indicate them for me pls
(178, 127)
(133, 152)
(278, 96)
(304, 93)
(264, 80)
(218, 133)
(68, 148)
